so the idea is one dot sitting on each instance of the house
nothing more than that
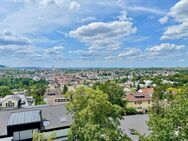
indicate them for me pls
(10, 101)
(147, 91)
(54, 97)
(20, 124)
(140, 101)
(16, 101)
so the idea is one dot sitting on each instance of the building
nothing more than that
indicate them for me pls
(20, 124)
(54, 97)
(147, 91)
(10, 101)
(140, 101)
(16, 101)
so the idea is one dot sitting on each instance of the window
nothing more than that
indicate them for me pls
(46, 122)
(61, 100)
(10, 104)
(24, 135)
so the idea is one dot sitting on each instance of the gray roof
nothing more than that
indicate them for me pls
(56, 115)
(24, 117)
(9, 97)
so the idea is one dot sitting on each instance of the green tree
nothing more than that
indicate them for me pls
(94, 117)
(65, 89)
(113, 90)
(40, 136)
(170, 123)
(4, 90)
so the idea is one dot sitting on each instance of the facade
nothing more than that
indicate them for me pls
(10, 101)
(139, 101)
(16, 101)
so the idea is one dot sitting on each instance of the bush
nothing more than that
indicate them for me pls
(131, 111)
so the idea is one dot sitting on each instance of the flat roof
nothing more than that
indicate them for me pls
(24, 117)
(56, 116)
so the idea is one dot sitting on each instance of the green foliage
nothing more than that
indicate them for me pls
(114, 92)
(130, 111)
(40, 137)
(169, 122)
(34, 88)
(4, 90)
(94, 118)
(65, 89)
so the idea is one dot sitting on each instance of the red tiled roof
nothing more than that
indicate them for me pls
(138, 97)
(147, 90)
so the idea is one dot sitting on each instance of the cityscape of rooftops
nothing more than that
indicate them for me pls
(102, 70)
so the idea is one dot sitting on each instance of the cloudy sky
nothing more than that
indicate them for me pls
(94, 33)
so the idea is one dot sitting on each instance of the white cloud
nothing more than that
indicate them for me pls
(164, 49)
(163, 20)
(54, 50)
(103, 35)
(123, 16)
(179, 31)
(8, 38)
(145, 9)
(179, 14)
(74, 5)
(39, 16)
(87, 19)
(130, 53)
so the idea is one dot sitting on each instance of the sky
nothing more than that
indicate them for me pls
(94, 33)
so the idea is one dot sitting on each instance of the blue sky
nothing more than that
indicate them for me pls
(99, 33)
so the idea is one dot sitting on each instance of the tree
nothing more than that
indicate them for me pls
(130, 111)
(37, 136)
(94, 117)
(4, 90)
(114, 91)
(65, 89)
(170, 123)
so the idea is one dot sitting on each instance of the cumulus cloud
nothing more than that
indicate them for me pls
(163, 20)
(103, 35)
(164, 49)
(130, 53)
(7, 38)
(54, 50)
(179, 14)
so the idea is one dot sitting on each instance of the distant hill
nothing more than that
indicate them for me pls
(3, 66)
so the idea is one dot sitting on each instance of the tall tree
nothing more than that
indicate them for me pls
(4, 90)
(65, 89)
(113, 90)
(170, 123)
(94, 117)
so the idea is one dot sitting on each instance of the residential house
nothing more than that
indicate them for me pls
(16, 101)
(20, 124)
(54, 97)
(140, 101)
(10, 101)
